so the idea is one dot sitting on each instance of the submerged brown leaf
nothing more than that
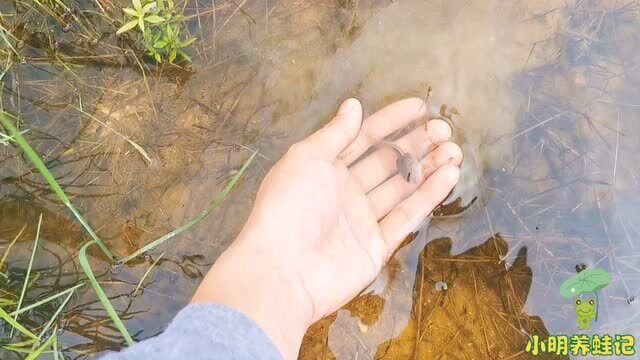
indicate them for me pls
(480, 314)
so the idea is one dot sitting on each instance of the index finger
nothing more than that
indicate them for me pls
(383, 123)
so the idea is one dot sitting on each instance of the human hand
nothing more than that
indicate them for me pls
(323, 225)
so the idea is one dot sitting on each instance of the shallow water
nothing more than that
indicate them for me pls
(547, 97)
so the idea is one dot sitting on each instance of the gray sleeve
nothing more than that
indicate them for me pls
(204, 332)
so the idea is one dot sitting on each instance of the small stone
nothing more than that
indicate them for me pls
(363, 328)
(441, 286)
(116, 268)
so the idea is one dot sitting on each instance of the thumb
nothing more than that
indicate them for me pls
(334, 137)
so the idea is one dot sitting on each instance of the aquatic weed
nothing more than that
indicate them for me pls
(139, 15)
(160, 24)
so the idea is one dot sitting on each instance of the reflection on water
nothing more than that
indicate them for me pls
(547, 95)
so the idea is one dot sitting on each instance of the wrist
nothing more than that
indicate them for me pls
(246, 279)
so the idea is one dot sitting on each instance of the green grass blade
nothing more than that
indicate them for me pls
(6, 138)
(53, 184)
(6, 252)
(34, 355)
(23, 344)
(44, 301)
(212, 206)
(26, 279)
(4, 316)
(55, 344)
(147, 273)
(84, 262)
(55, 315)
(22, 350)
(6, 302)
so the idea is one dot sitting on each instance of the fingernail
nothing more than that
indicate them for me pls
(347, 106)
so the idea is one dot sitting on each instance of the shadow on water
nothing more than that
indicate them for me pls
(547, 96)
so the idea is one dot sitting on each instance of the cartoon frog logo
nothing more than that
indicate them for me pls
(587, 281)
(586, 311)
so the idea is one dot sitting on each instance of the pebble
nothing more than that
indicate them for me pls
(441, 286)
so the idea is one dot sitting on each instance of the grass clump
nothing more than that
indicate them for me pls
(159, 24)
(26, 279)
(24, 340)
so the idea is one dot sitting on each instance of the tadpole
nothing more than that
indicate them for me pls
(406, 164)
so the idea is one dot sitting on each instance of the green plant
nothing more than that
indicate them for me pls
(160, 25)
(139, 15)
(168, 45)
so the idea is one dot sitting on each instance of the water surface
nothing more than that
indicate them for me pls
(547, 95)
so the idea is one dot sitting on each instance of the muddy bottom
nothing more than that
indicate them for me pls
(471, 301)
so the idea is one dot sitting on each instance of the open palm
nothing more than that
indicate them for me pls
(327, 218)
